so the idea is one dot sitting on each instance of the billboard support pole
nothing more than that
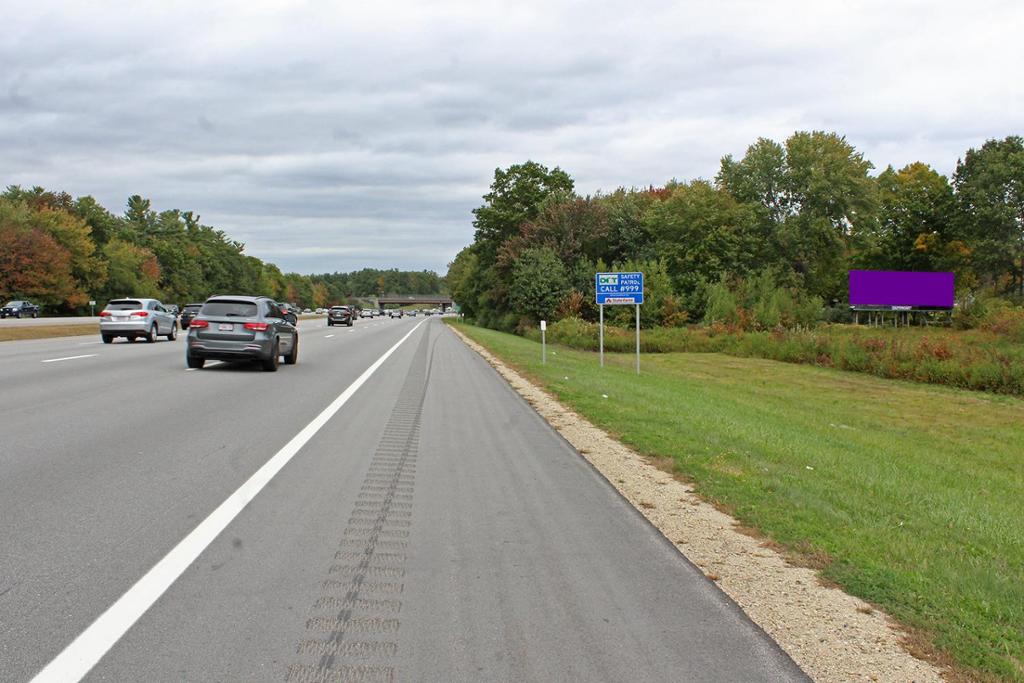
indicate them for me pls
(601, 333)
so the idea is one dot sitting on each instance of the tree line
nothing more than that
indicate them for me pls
(62, 252)
(776, 231)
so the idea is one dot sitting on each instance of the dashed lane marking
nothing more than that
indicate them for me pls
(57, 360)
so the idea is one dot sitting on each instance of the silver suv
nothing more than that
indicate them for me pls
(134, 318)
(242, 328)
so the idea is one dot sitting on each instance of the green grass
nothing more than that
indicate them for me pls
(908, 495)
(46, 331)
(973, 359)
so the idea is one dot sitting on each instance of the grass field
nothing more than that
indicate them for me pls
(967, 359)
(908, 495)
(46, 331)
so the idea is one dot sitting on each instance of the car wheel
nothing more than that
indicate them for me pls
(35, 315)
(18, 315)
(350, 323)
(132, 339)
(174, 332)
(270, 364)
(107, 339)
(293, 356)
(194, 362)
(151, 337)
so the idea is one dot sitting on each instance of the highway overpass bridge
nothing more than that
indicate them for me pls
(438, 300)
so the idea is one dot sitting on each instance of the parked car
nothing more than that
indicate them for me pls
(134, 318)
(340, 315)
(190, 311)
(243, 329)
(19, 309)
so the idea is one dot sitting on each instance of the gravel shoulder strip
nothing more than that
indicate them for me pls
(832, 636)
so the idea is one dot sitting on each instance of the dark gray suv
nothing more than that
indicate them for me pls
(242, 328)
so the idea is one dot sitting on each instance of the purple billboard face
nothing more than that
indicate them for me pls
(901, 288)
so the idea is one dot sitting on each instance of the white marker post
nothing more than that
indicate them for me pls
(600, 333)
(543, 342)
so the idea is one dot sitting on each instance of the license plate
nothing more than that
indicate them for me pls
(119, 319)
(226, 326)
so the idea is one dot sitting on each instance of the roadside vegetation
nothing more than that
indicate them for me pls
(903, 494)
(45, 331)
(765, 245)
(990, 358)
(62, 252)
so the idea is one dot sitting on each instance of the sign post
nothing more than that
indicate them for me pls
(92, 307)
(543, 342)
(638, 339)
(618, 289)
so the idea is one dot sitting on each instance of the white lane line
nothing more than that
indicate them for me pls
(88, 343)
(328, 336)
(57, 360)
(208, 364)
(78, 658)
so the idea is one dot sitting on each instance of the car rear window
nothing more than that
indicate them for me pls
(193, 309)
(230, 309)
(124, 305)
(339, 308)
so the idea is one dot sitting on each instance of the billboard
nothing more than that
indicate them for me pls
(901, 289)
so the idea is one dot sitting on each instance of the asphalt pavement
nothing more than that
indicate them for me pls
(412, 519)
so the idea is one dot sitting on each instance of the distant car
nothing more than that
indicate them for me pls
(411, 314)
(188, 313)
(243, 328)
(340, 315)
(366, 313)
(171, 308)
(307, 310)
(134, 318)
(395, 313)
(19, 309)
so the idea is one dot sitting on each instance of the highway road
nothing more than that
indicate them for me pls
(387, 509)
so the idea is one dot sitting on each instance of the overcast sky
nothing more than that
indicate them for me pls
(338, 135)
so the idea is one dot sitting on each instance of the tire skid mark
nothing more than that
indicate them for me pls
(356, 616)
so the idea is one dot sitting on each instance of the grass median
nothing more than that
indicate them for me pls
(47, 331)
(907, 495)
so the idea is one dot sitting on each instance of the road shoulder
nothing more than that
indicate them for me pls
(831, 635)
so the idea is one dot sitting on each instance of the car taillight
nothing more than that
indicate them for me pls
(104, 314)
(140, 314)
(196, 322)
(259, 327)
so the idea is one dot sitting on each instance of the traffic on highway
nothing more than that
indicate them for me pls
(385, 510)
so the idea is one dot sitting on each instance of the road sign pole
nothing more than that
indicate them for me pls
(601, 333)
(638, 339)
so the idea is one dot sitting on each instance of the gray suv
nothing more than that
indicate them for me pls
(134, 318)
(242, 328)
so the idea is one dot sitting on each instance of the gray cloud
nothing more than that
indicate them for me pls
(332, 139)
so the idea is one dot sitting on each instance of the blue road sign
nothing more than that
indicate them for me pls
(619, 288)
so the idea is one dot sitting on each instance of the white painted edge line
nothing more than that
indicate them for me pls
(57, 360)
(78, 658)
(328, 336)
